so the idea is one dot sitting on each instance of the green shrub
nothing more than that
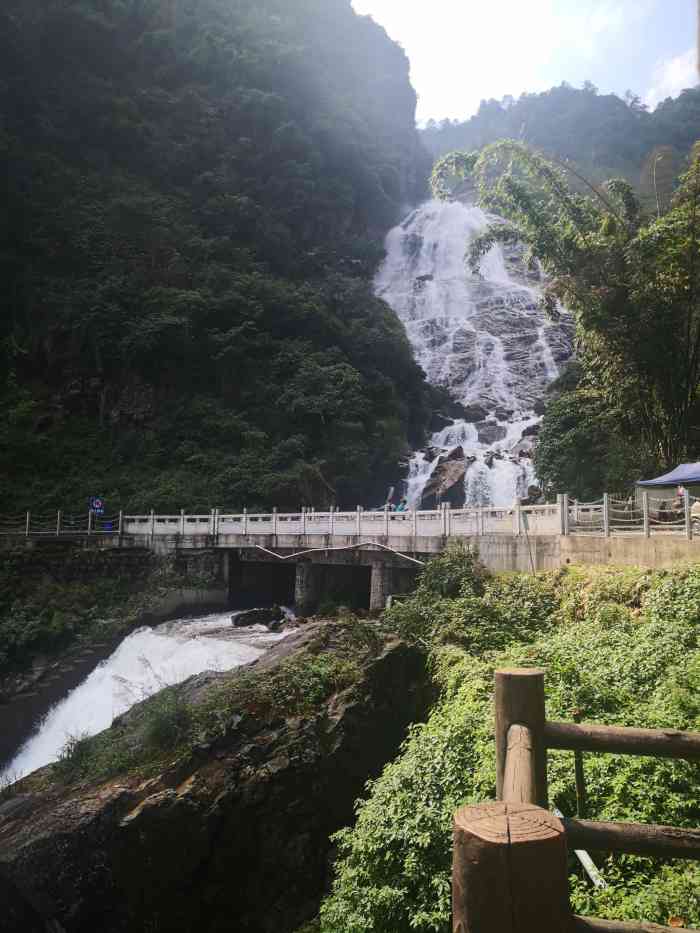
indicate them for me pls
(613, 647)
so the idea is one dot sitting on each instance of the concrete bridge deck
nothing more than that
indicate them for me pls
(384, 550)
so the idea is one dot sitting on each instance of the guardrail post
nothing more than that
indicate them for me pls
(120, 527)
(182, 522)
(58, 522)
(27, 524)
(303, 519)
(245, 521)
(448, 519)
(606, 515)
(688, 518)
(414, 523)
(509, 870)
(386, 520)
(645, 513)
(153, 525)
(89, 528)
(516, 517)
(216, 524)
(331, 521)
(519, 700)
(359, 521)
(274, 520)
(564, 512)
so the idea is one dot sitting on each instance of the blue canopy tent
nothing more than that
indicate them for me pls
(685, 474)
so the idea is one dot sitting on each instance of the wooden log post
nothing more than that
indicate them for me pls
(519, 700)
(519, 785)
(509, 870)
(623, 740)
(591, 925)
(633, 838)
(27, 524)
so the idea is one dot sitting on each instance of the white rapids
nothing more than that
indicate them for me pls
(482, 336)
(146, 661)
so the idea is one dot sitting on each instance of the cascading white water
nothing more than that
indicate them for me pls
(145, 662)
(481, 335)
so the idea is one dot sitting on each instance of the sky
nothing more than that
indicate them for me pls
(463, 51)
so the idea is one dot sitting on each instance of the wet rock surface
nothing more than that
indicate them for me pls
(482, 335)
(234, 837)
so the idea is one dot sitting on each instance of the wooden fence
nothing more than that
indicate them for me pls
(510, 865)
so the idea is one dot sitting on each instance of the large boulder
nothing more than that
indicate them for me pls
(446, 484)
(232, 835)
(490, 432)
(474, 413)
(248, 617)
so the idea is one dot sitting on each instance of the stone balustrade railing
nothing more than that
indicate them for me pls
(605, 517)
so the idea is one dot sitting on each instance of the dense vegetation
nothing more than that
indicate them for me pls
(620, 646)
(58, 597)
(631, 281)
(197, 194)
(603, 134)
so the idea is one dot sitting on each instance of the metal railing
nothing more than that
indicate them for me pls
(510, 865)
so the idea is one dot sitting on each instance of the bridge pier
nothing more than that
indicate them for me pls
(381, 585)
(307, 587)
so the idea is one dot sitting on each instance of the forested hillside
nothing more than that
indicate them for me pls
(603, 134)
(197, 194)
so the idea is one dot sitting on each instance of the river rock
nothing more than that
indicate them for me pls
(532, 431)
(257, 617)
(234, 835)
(446, 484)
(473, 413)
(490, 432)
(438, 422)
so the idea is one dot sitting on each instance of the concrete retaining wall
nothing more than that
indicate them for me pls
(184, 601)
(549, 552)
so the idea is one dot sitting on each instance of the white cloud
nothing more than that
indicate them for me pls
(464, 50)
(672, 76)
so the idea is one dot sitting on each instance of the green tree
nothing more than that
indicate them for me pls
(632, 283)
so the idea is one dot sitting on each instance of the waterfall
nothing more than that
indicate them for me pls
(483, 337)
(145, 662)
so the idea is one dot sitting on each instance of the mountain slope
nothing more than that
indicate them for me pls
(196, 200)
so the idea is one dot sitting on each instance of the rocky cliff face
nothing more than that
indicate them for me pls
(234, 834)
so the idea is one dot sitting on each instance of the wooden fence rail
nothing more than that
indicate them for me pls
(510, 858)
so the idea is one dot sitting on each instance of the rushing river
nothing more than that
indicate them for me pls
(145, 662)
(481, 335)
